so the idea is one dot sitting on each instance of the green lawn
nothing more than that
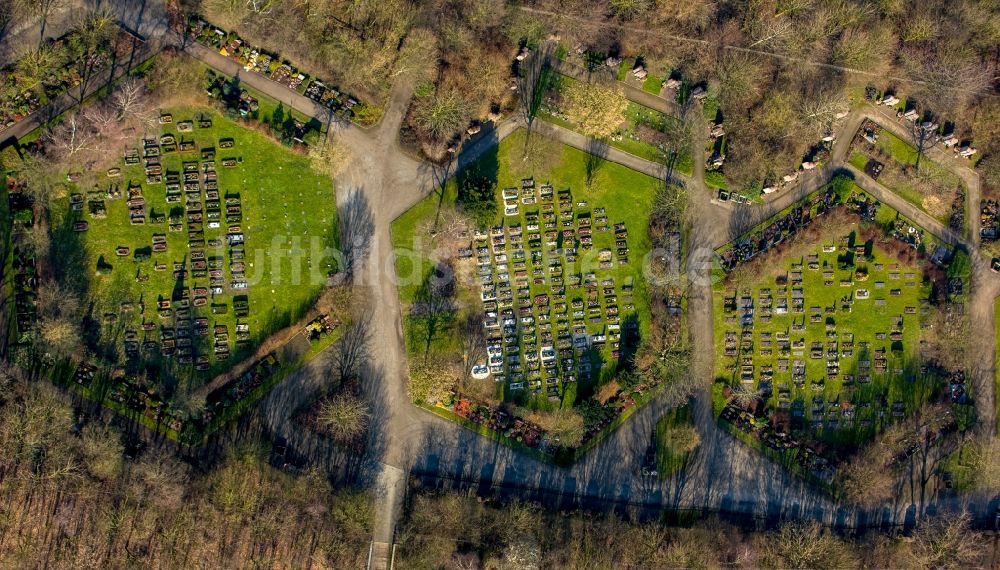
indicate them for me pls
(670, 459)
(624, 67)
(623, 193)
(958, 464)
(652, 84)
(716, 179)
(898, 149)
(635, 115)
(710, 107)
(288, 218)
(859, 160)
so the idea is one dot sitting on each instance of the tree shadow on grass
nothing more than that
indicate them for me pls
(477, 185)
(597, 157)
(434, 310)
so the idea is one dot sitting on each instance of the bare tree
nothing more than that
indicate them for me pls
(598, 110)
(330, 156)
(808, 545)
(867, 479)
(431, 379)
(35, 67)
(952, 80)
(945, 541)
(106, 125)
(820, 110)
(986, 464)
(630, 9)
(130, 99)
(767, 29)
(102, 451)
(344, 416)
(745, 396)
(93, 32)
(565, 427)
(683, 439)
(71, 138)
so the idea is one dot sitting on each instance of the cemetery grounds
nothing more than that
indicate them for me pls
(831, 348)
(555, 353)
(889, 160)
(167, 255)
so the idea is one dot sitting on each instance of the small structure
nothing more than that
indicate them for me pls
(699, 93)
(967, 151)
(672, 83)
(890, 101)
(717, 131)
(639, 72)
(809, 165)
(950, 141)
(613, 62)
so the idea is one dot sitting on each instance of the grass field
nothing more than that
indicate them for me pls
(716, 179)
(288, 219)
(858, 160)
(620, 191)
(849, 314)
(652, 84)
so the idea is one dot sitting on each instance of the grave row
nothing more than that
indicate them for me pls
(511, 260)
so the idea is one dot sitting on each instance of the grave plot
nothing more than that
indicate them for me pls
(201, 243)
(536, 308)
(820, 327)
(554, 308)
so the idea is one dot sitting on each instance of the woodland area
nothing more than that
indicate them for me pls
(78, 494)
(453, 530)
